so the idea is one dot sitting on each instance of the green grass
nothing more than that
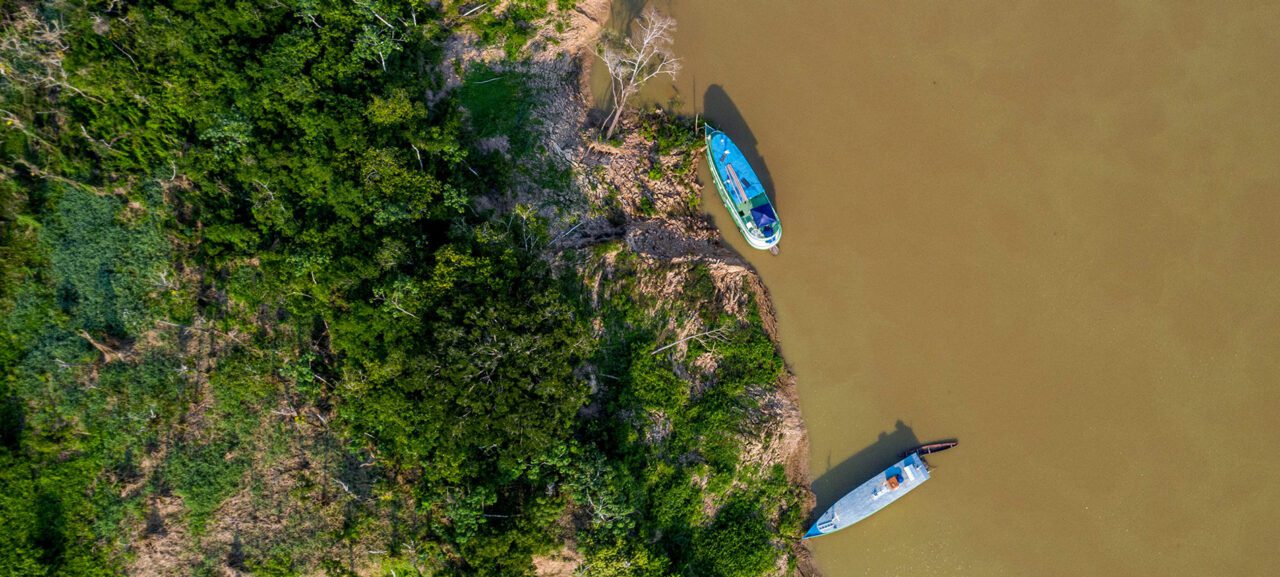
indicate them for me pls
(105, 259)
(513, 28)
(670, 133)
(204, 475)
(83, 426)
(500, 104)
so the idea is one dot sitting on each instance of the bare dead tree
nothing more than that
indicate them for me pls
(644, 54)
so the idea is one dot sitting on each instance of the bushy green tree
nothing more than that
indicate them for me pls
(736, 544)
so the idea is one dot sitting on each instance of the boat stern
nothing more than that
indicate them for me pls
(763, 237)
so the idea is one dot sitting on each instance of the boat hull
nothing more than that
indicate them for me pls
(875, 494)
(932, 448)
(742, 192)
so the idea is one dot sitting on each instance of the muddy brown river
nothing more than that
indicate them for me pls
(1048, 230)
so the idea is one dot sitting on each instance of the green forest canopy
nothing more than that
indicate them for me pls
(237, 238)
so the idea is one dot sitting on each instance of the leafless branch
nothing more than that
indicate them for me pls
(711, 333)
(642, 56)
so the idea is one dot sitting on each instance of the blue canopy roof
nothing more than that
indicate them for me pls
(764, 215)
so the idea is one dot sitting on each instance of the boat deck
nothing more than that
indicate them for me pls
(740, 179)
(742, 192)
(873, 495)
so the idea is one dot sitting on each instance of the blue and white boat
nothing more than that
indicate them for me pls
(742, 192)
(873, 495)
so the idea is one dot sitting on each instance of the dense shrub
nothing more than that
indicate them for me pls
(736, 544)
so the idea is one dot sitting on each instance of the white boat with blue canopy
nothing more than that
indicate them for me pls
(742, 192)
(873, 495)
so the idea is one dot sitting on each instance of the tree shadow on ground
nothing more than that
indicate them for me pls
(723, 114)
(888, 448)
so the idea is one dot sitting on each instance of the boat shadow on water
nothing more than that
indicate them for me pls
(722, 113)
(837, 481)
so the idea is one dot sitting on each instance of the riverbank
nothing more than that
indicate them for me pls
(635, 224)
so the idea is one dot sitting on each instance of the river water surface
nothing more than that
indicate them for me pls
(1049, 230)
